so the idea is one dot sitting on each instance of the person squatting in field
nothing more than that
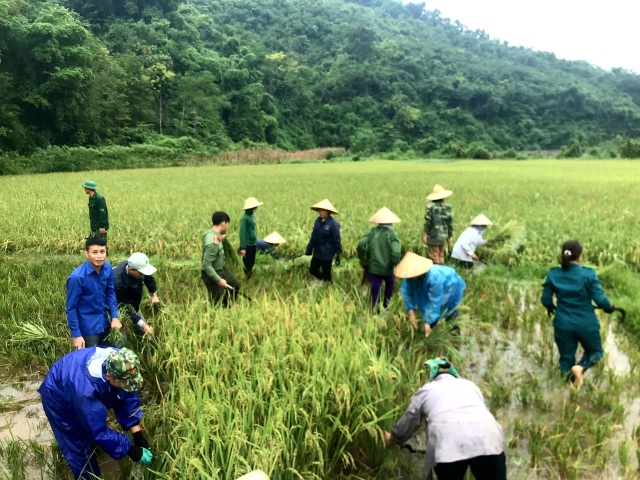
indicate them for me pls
(575, 321)
(464, 250)
(379, 252)
(128, 279)
(438, 224)
(98, 212)
(433, 290)
(325, 243)
(249, 235)
(461, 432)
(90, 292)
(221, 284)
(77, 393)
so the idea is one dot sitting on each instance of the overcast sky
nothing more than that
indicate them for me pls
(605, 34)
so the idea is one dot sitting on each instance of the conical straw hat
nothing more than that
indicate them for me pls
(251, 202)
(481, 221)
(324, 205)
(255, 475)
(274, 238)
(439, 193)
(384, 215)
(412, 265)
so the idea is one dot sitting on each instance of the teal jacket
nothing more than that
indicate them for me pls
(574, 289)
(248, 232)
(379, 250)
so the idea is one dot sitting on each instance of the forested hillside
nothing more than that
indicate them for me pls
(369, 75)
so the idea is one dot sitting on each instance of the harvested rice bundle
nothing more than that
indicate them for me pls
(507, 243)
(230, 256)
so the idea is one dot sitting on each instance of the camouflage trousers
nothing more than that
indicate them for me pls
(436, 254)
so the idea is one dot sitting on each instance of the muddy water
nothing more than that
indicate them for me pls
(531, 393)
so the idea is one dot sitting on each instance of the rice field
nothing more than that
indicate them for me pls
(301, 381)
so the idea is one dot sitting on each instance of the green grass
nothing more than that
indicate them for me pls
(301, 382)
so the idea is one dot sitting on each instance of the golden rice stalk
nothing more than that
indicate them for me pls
(506, 244)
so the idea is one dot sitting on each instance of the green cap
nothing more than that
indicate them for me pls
(440, 363)
(90, 184)
(124, 367)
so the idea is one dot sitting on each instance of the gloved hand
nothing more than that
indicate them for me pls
(338, 259)
(139, 440)
(551, 311)
(140, 455)
(611, 309)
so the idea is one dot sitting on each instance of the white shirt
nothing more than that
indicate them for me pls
(467, 243)
(459, 425)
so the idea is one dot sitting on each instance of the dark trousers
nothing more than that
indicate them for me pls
(100, 339)
(249, 260)
(376, 285)
(462, 264)
(485, 467)
(218, 294)
(567, 342)
(321, 269)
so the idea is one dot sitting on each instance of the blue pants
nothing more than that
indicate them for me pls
(567, 342)
(77, 448)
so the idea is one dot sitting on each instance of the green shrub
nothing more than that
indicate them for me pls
(630, 149)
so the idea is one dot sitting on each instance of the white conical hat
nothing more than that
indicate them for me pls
(251, 202)
(412, 265)
(255, 475)
(384, 215)
(439, 193)
(324, 205)
(274, 238)
(481, 221)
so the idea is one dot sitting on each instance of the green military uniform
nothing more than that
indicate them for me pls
(575, 320)
(98, 214)
(438, 226)
(379, 250)
(213, 269)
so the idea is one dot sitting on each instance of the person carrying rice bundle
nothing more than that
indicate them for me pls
(462, 433)
(433, 290)
(464, 250)
(379, 252)
(575, 321)
(438, 224)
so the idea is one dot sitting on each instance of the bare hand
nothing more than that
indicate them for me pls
(223, 283)
(115, 323)
(424, 238)
(148, 330)
(102, 230)
(78, 342)
(243, 253)
(474, 256)
(388, 441)
(427, 329)
(449, 240)
(412, 319)
(155, 299)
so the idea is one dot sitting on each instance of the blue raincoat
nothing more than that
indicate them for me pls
(76, 396)
(436, 294)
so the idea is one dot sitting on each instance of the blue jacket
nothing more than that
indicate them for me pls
(88, 296)
(325, 239)
(435, 295)
(76, 401)
(574, 289)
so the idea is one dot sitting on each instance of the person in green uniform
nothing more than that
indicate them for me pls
(379, 253)
(575, 321)
(98, 212)
(220, 282)
(438, 224)
(249, 235)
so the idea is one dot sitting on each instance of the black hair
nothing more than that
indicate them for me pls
(570, 252)
(95, 240)
(251, 210)
(218, 217)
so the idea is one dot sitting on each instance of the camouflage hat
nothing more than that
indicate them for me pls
(124, 367)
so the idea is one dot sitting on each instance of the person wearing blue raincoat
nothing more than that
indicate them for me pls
(77, 393)
(433, 290)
